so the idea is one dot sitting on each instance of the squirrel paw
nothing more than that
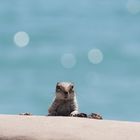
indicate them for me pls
(74, 113)
(95, 116)
(77, 114)
(83, 115)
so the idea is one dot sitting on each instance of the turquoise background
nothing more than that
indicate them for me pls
(28, 75)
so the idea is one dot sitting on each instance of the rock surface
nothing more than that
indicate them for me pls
(18, 127)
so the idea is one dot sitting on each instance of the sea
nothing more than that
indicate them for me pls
(94, 44)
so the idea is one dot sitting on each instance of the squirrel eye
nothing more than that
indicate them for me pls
(72, 86)
(58, 88)
(71, 89)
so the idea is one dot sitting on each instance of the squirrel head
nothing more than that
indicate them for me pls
(65, 90)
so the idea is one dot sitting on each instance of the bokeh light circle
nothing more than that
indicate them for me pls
(68, 60)
(21, 39)
(95, 56)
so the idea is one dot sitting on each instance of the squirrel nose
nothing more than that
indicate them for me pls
(66, 93)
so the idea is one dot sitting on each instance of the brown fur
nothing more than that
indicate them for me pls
(65, 102)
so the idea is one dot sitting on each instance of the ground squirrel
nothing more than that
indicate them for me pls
(65, 102)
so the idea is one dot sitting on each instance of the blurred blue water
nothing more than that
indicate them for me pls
(28, 75)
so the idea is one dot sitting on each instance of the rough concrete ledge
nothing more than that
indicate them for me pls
(17, 127)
